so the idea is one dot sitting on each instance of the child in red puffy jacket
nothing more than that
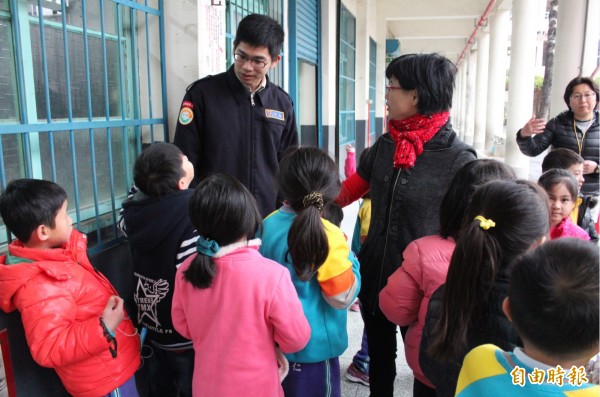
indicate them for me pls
(73, 318)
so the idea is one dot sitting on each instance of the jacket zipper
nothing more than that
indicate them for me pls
(387, 234)
(251, 176)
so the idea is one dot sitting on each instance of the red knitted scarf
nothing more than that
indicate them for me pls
(411, 134)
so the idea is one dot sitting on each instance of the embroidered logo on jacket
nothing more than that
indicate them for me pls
(275, 114)
(148, 293)
(186, 115)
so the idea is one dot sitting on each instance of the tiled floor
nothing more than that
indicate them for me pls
(404, 379)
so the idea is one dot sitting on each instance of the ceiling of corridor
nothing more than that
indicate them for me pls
(442, 26)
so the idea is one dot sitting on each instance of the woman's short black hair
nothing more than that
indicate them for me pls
(553, 297)
(26, 204)
(576, 81)
(431, 75)
(260, 31)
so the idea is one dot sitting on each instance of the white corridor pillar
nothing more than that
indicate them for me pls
(568, 54)
(520, 92)
(463, 98)
(483, 45)
(470, 97)
(496, 78)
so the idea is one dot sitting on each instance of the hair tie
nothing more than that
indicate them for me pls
(314, 198)
(206, 246)
(485, 224)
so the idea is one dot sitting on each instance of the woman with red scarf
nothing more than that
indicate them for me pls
(407, 172)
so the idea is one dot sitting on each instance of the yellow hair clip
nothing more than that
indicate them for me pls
(485, 224)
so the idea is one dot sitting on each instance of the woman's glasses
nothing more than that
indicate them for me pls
(587, 96)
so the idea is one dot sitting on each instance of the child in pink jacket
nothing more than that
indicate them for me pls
(405, 299)
(562, 191)
(235, 305)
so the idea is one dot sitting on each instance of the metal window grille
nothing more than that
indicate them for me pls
(372, 85)
(85, 82)
(347, 116)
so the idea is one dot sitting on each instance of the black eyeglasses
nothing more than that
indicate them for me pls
(242, 59)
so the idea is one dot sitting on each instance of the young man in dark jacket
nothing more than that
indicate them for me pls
(238, 122)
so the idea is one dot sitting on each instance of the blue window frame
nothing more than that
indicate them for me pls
(372, 85)
(347, 67)
(85, 84)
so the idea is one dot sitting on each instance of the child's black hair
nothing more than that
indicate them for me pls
(562, 158)
(455, 203)
(222, 210)
(553, 297)
(260, 31)
(26, 204)
(555, 176)
(158, 169)
(308, 180)
(333, 213)
(520, 212)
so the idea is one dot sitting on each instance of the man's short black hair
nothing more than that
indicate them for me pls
(431, 75)
(158, 169)
(260, 31)
(561, 158)
(26, 204)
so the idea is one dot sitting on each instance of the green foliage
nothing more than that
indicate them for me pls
(538, 82)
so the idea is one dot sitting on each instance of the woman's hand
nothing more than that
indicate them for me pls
(589, 166)
(349, 148)
(533, 126)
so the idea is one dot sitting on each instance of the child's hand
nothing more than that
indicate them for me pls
(113, 313)
(349, 148)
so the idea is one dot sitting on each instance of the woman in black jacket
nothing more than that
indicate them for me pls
(576, 129)
(407, 171)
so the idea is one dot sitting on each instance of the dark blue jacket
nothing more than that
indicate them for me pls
(233, 134)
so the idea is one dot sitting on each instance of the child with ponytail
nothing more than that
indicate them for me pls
(234, 304)
(504, 220)
(324, 271)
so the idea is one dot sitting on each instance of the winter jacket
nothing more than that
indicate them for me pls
(161, 237)
(405, 298)
(234, 132)
(235, 323)
(61, 297)
(566, 228)
(490, 371)
(325, 296)
(488, 325)
(560, 134)
(584, 216)
(404, 203)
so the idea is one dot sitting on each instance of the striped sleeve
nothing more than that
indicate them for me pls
(339, 276)
(187, 248)
(121, 221)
